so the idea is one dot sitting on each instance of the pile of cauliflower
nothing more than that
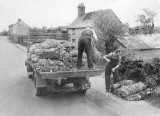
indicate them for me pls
(54, 55)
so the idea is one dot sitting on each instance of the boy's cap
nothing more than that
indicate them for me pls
(89, 26)
(117, 50)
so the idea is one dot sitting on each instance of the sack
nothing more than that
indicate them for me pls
(123, 83)
(131, 89)
(51, 55)
(95, 55)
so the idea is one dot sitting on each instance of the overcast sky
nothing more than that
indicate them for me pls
(52, 13)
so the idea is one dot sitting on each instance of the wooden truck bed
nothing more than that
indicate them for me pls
(69, 74)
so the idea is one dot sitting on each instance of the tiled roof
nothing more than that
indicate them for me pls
(18, 22)
(79, 22)
(86, 19)
(141, 41)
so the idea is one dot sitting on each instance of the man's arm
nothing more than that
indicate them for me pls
(118, 65)
(107, 57)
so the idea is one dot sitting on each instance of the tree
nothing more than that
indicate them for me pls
(44, 29)
(146, 20)
(126, 27)
(107, 28)
(4, 33)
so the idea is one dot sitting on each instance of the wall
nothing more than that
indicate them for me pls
(20, 28)
(10, 30)
(74, 35)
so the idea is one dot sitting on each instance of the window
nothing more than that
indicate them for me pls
(74, 40)
(73, 32)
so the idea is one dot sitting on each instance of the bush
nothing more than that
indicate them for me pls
(139, 70)
(128, 54)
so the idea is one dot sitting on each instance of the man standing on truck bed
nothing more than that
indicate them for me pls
(84, 44)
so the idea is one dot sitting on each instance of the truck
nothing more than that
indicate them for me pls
(60, 81)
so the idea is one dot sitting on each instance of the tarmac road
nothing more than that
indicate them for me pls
(17, 96)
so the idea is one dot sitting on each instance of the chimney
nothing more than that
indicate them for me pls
(81, 9)
(19, 19)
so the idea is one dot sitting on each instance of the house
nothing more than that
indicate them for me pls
(17, 30)
(83, 19)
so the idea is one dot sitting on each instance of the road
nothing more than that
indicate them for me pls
(17, 96)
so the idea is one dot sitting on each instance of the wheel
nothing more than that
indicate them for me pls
(79, 87)
(39, 91)
(25, 63)
(80, 84)
(29, 71)
(30, 76)
(82, 91)
(29, 68)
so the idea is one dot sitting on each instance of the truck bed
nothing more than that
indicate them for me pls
(67, 74)
(70, 74)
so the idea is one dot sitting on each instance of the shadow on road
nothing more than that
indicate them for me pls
(154, 101)
(92, 98)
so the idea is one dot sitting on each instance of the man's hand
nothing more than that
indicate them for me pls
(113, 69)
(108, 60)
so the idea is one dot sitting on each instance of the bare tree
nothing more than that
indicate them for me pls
(108, 27)
(146, 19)
(126, 27)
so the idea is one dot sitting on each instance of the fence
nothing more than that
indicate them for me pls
(40, 37)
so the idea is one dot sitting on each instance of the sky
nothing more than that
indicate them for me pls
(53, 13)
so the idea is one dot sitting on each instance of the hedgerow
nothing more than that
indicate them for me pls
(140, 70)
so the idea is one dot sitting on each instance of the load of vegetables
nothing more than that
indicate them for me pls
(54, 55)
(133, 91)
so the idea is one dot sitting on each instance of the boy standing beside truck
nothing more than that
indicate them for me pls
(113, 63)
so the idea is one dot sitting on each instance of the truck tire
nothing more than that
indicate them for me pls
(29, 70)
(78, 84)
(39, 91)
(30, 76)
(82, 91)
